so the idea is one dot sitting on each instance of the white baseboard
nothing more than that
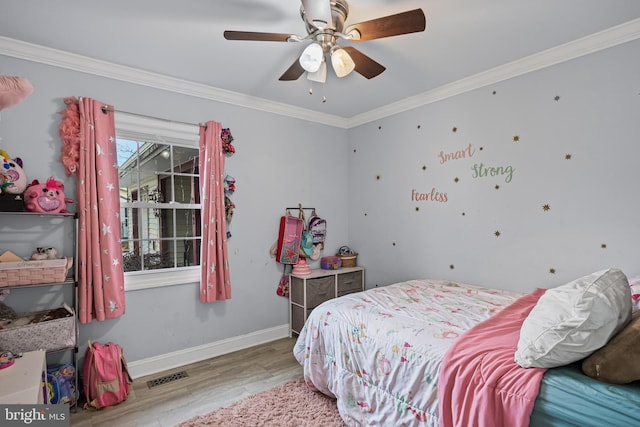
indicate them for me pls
(163, 362)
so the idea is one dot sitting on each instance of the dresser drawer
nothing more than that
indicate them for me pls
(298, 317)
(296, 290)
(308, 291)
(349, 283)
(319, 290)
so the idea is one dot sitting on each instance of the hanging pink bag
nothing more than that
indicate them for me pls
(289, 237)
(283, 285)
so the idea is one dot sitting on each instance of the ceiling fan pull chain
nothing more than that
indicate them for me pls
(324, 98)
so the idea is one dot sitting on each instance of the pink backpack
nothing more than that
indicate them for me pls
(104, 375)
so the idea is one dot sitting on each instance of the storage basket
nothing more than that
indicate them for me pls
(49, 335)
(34, 272)
(330, 263)
(349, 260)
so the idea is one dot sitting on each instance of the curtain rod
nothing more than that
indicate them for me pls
(106, 109)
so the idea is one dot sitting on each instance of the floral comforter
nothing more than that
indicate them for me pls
(379, 352)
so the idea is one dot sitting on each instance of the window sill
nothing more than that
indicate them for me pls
(150, 280)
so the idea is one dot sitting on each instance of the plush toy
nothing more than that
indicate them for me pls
(46, 198)
(13, 180)
(45, 253)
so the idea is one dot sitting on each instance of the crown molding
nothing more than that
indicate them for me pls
(601, 40)
(71, 61)
(605, 39)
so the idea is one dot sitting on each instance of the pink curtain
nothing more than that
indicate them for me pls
(88, 132)
(215, 284)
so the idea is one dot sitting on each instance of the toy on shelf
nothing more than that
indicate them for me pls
(45, 253)
(46, 198)
(13, 180)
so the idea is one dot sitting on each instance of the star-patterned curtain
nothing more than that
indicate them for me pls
(215, 284)
(101, 293)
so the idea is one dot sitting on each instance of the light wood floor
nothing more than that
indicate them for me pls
(211, 384)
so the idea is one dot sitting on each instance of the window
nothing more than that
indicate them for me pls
(159, 201)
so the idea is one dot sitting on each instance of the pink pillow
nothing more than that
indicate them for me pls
(13, 90)
(634, 283)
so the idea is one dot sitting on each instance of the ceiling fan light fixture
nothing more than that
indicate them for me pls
(342, 62)
(319, 76)
(311, 57)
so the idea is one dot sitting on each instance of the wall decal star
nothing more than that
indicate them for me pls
(497, 233)
(516, 138)
(424, 168)
(455, 129)
(452, 266)
(418, 126)
(552, 270)
(556, 98)
(378, 177)
(456, 179)
(497, 187)
(567, 156)
(603, 246)
(417, 208)
(546, 207)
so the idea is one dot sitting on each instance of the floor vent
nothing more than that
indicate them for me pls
(167, 379)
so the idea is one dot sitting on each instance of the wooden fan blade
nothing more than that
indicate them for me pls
(412, 21)
(364, 65)
(255, 36)
(293, 72)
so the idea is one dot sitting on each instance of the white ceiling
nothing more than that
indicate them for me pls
(183, 39)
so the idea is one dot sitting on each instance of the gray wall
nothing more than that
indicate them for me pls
(279, 162)
(361, 181)
(592, 196)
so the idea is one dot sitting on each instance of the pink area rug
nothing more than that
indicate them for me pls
(292, 404)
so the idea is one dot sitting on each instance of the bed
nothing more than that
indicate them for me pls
(381, 353)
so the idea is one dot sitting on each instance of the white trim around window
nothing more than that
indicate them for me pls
(148, 128)
(157, 279)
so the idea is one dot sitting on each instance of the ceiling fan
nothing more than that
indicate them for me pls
(325, 25)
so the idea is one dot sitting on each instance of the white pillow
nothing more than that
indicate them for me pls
(573, 320)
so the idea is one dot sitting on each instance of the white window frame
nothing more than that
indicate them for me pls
(141, 128)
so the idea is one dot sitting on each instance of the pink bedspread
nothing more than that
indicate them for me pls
(480, 384)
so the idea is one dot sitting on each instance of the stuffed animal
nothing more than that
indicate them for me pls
(13, 180)
(46, 198)
(45, 253)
